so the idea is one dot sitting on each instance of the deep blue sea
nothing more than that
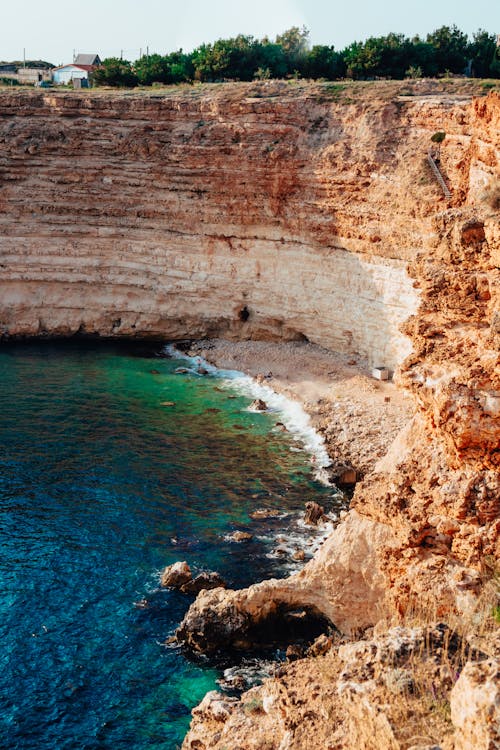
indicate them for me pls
(102, 484)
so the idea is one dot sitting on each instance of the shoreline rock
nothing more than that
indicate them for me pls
(179, 576)
(258, 405)
(239, 537)
(315, 514)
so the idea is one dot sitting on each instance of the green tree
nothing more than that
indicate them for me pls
(294, 42)
(323, 62)
(482, 53)
(239, 59)
(151, 68)
(395, 55)
(384, 56)
(353, 60)
(423, 56)
(115, 72)
(271, 56)
(450, 46)
(173, 68)
(225, 59)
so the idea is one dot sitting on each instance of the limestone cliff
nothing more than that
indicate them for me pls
(167, 214)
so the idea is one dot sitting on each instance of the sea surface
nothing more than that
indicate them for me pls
(112, 466)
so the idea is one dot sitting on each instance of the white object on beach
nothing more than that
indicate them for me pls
(380, 373)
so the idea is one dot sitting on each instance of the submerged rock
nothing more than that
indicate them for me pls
(262, 513)
(239, 536)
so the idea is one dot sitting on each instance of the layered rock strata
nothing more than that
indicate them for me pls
(259, 211)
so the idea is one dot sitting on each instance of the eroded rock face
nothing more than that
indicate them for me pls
(475, 706)
(387, 691)
(344, 583)
(429, 515)
(247, 211)
(256, 212)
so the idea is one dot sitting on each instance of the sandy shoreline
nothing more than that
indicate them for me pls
(359, 417)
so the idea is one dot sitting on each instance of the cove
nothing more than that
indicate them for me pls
(113, 466)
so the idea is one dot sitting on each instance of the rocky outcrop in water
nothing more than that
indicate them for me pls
(179, 576)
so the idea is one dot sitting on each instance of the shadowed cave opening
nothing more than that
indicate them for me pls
(284, 626)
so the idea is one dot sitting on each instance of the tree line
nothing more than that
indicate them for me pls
(244, 58)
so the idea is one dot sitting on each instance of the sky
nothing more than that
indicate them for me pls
(126, 27)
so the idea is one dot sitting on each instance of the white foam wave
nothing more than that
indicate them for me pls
(291, 413)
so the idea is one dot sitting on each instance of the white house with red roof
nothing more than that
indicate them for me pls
(80, 68)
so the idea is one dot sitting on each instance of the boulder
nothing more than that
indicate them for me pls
(475, 706)
(294, 652)
(258, 405)
(321, 646)
(315, 514)
(177, 575)
(240, 536)
(202, 581)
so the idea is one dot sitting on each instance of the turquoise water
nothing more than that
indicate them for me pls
(101, 486)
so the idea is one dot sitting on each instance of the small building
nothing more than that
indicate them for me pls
(79, 68)
(65, 74)
(25, 74)
(34, 75)
(85, 60)
(80, 83)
